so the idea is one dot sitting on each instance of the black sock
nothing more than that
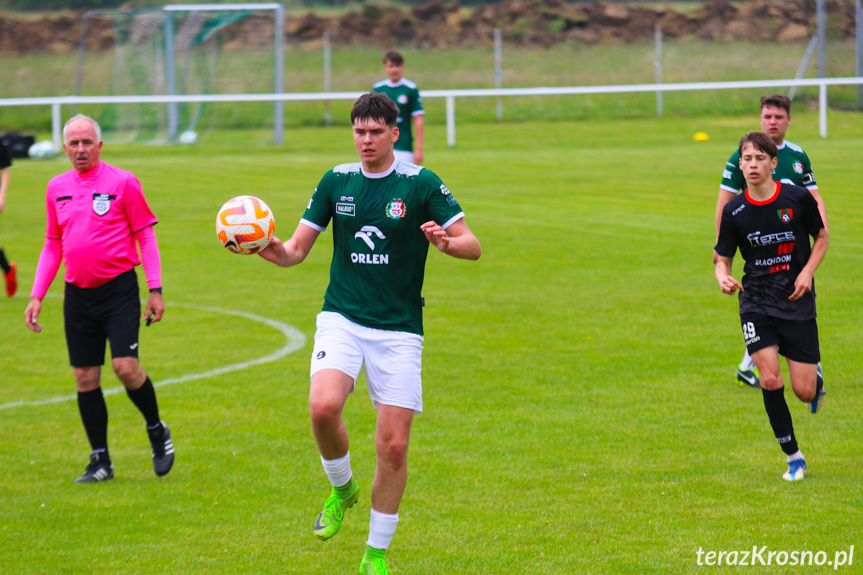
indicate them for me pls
(780, 419)
(94, 414)
(4, 263)
(144, 399)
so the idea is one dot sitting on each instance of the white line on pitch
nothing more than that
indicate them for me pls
(296, 341)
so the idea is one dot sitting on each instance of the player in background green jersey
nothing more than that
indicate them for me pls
(406, 95)
(793, 167)
(384, 214)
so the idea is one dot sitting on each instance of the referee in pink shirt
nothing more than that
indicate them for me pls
(96, 214)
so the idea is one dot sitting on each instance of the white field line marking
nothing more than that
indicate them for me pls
(295, 341)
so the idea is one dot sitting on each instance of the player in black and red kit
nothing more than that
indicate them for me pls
(770, 223)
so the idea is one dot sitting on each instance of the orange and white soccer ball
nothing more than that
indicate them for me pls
(245, 225)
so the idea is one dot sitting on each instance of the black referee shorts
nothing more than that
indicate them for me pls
(797, 339)
(109, 312)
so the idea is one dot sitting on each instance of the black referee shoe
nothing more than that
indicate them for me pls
(163, 450)
(97, 470)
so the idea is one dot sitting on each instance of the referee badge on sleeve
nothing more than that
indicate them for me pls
(102, 203)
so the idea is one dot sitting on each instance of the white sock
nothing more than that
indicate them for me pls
(382, 527)
(746, 363)
(338, 470)
(795, 456)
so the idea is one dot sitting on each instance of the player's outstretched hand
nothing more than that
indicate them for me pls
(802, 285)
(31, 314)
(729, 285)
(436, 235)
(274, 252)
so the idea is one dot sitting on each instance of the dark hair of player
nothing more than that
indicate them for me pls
(777, 101)
(394, 57)
(375, 106)
(760, 141)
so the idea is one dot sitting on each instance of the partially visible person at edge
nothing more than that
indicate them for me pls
(9, 268)
(96, 214)
(406, 95)
(385, 213)
(792, 167)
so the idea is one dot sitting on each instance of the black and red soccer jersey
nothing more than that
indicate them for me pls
(773, 239)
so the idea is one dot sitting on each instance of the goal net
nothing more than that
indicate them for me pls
(181, 50)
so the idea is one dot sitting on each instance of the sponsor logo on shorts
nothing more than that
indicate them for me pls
(749, 335)
(321, 355)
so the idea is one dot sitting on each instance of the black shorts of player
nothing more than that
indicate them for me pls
(109, 312)
(797, 339)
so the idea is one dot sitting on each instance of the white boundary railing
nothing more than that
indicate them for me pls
(57, 102)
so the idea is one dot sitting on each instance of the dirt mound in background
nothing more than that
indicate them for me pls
(445, 24)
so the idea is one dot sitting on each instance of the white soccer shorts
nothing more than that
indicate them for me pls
(404, 156)
(393, 359)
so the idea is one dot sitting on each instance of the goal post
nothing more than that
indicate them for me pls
(278, 57)
(182, 50)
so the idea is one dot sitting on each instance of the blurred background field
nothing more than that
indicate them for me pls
(337, 46)
(357, 69)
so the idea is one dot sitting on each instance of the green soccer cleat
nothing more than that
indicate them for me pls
(330, 519)
(748, 376)
(373, 562)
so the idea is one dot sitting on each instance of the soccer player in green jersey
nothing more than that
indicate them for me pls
(792, 167)
(406, 95)
(384, 214)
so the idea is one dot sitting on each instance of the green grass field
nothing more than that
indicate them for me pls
(581, 409)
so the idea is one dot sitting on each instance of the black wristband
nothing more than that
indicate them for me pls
(156, 290)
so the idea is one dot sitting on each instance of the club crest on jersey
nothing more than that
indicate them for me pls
(798, 167)
(785, 215)
(396, 209)
(102, 203)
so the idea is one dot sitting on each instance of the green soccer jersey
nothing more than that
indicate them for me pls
(407, 97)
(792, 167)
(379, 250)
